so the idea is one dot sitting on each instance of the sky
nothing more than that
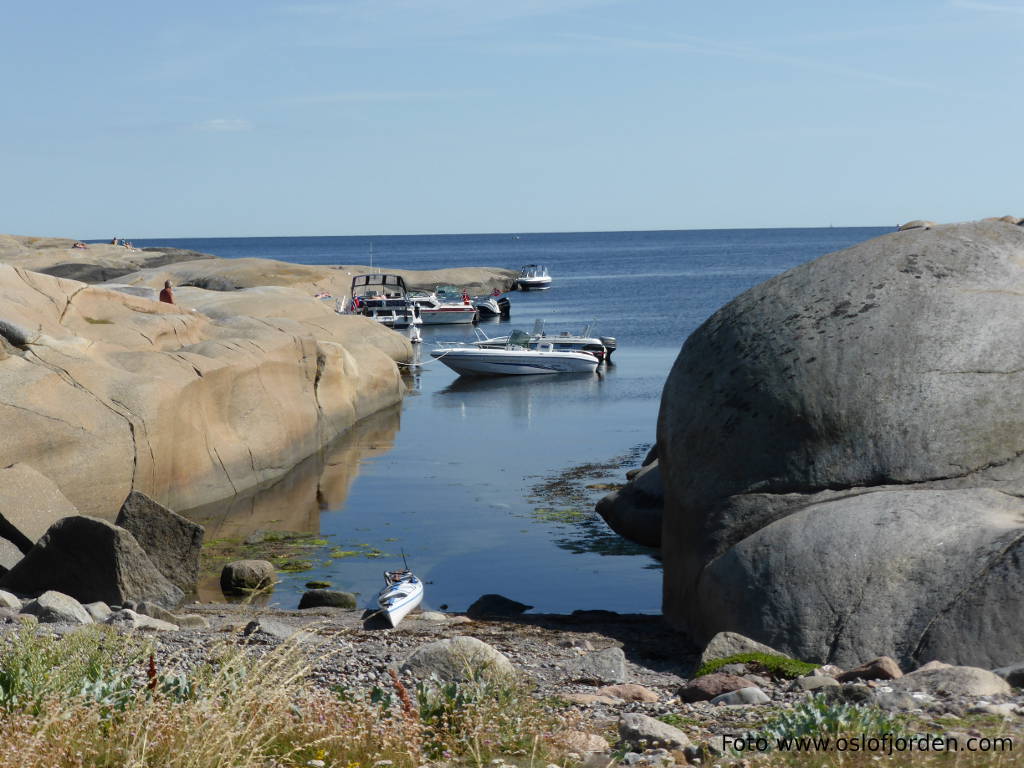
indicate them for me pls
(343, 117)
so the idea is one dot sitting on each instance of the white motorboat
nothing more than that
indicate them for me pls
(402, 592)
(443, 308)
(382, 298)
(600, 347)
(515, 358)
(494, 305)
(533, 277)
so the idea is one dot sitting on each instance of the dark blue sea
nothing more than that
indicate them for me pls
(489, 485)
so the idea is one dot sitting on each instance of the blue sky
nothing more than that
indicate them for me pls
(230, 118)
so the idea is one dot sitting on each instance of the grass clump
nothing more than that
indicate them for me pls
(762, 663)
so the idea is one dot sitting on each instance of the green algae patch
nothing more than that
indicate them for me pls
(761, 663)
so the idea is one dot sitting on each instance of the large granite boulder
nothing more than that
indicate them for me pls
(172, 542)
(842, 452)
(90, 559)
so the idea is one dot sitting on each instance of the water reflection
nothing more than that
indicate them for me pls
(520, 394)
(294, 502)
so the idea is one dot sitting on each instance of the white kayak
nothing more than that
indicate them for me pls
(402, 592)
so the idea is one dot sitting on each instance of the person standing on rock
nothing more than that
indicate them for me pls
(167, 295)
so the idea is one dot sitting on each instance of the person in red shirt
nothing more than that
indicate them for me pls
(167, 295)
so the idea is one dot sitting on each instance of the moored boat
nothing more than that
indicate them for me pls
(533, 277)
(494, 305)
(441, 308)
(584, 341)
(382, 298)
(516, 357)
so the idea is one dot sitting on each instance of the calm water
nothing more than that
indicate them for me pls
(452, 477)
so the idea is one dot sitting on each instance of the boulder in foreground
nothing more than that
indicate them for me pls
(90, 560)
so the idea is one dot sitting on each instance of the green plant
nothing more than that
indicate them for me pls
(818, 715)
(774, 665)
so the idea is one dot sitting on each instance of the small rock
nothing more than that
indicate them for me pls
(155, 611)
(642, 731)
(708, 687)
(733, 669)
(327, 598)
(496, 606)
(7, 600)
(629, 692)
(99, 611)
(276, 630)
(129, 619)
(244, 576)
(813, 683)
(851, 693)
(882, 668)
(433, 616)
(752, 695)
(827, 670)
(1006, 710)
(191, 621)
(726, 644)
(895, 701)
(55, 607)
(605, 666)
(579, 741)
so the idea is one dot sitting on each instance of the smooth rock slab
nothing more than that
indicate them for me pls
(641, 731)
(53, 607)
(99, 611)
(459, 659)
(743, 696)
(29, 504)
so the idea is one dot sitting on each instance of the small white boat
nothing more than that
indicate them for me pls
(443, 308)
(515, 358)
(402, 592)
(600, 347)
(533, 277)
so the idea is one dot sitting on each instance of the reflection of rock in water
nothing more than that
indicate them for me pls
(295, 501)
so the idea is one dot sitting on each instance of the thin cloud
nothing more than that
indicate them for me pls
(369, 97)
(225, 125)
(730, 50)
(1017, 10)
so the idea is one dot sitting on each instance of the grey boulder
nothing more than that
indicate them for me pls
(640, 731)
(243, 576)
(459, 659)
(57, 608)
(952, 681)
(172, 542)
(91, 559)
(635, 510)
(327, 598)
(604, 666)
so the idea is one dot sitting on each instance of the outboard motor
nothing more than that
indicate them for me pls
(609, 347)
(504, 307)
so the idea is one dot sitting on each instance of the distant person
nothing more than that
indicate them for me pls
(79, 244)
(113, 241)
(167, 295)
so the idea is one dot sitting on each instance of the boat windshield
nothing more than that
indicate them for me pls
(518, 338)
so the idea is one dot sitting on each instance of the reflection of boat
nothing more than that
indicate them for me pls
(382, 298)
(516, 357)
(494, 305)
(443, 307)
(533, 276)
(600, 347)
(402, 592)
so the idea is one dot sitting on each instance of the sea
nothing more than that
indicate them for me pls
(488, 486)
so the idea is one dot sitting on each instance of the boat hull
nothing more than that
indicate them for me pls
(514, 362)
(446, 316)
(400, 608)
(534, 283)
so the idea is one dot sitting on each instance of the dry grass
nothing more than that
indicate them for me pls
(90, 700)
